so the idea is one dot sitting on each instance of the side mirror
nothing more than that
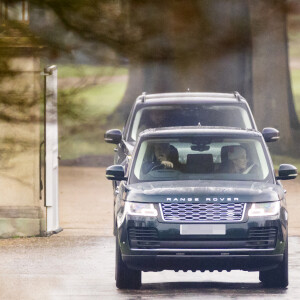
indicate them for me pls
(115, 172)
(270, 134)
(113, 136)
(287, 172)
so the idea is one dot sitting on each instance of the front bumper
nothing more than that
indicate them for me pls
(180, 261)
(169, 250)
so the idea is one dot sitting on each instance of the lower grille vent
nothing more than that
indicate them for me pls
(262, 237)
(143, 237)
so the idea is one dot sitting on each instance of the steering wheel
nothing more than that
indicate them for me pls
(251, 169)
(157, 167)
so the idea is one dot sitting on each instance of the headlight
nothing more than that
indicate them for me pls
(135, 209)
(264, 209)
(141, 209)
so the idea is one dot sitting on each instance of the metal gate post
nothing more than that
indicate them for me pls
(51, 151)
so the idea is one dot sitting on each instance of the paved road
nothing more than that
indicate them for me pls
(78, 267)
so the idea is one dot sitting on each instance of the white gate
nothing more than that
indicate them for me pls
(51, 151)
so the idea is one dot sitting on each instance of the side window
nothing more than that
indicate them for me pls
(141, 158)
(136, 125)
(127, 123)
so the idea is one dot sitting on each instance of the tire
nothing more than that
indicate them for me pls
(126, 278)
(278, 277)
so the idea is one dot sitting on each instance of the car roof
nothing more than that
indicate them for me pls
(190, 130)
(193, 97)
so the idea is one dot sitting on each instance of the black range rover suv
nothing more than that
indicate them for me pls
(197, 198)
(183, 109)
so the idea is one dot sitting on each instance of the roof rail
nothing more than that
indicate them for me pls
(143, 96)
(189, 95)
(237, 96)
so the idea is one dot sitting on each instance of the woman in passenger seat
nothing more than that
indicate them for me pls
(238, 161)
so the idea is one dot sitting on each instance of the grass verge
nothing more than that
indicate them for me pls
(295, 77)
(83, 113)
(281, 159)
(81, 71)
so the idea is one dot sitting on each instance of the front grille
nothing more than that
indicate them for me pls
(143, 237)
(262, 237)
(202, 212)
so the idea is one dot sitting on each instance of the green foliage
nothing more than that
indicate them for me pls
(294, 34)
(102, 100)
(83, 111)
(281, 159)
(84, 142)
(81, 71)
(295, 76)
(294, 52)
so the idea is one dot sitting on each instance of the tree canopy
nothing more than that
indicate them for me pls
(172, 45)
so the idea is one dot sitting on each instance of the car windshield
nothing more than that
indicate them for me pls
(229, 115)
(201, 158)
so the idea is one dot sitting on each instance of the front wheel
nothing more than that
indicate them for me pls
(278, 277)
(126, 278)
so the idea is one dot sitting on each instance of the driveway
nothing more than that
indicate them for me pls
(82, 267)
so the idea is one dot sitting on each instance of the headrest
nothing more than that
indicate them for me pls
(199, 163)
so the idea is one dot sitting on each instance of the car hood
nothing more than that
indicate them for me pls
(203, 191)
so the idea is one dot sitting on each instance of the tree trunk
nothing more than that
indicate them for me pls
(215, 46)
(271, 82)
(201, 46)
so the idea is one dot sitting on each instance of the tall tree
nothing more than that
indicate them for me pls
(218, 46)
(172, 45)
(272, 96)
(200, 45)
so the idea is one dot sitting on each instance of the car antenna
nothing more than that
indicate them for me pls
(143, 96)
(237, 96)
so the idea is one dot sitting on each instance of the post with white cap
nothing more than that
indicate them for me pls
(51, 151)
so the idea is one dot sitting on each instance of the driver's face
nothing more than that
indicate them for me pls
(161, 152)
